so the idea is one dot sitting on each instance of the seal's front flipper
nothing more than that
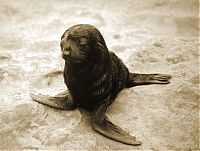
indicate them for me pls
(61, 101)
(102, 124)
(135, 79)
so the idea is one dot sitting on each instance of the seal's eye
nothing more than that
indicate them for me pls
(83, 47)
(83, 43)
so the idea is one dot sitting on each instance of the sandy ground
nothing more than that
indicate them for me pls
(151, 36)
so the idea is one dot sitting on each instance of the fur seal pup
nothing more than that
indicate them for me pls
(94, 76)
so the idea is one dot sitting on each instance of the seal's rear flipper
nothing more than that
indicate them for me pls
(135, 79)
(60, 101)
(102, 124)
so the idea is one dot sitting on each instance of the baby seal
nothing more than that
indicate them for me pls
(94, 76)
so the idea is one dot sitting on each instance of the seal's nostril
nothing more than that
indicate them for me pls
(66, 53)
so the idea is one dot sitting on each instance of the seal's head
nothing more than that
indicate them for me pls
(82, 43)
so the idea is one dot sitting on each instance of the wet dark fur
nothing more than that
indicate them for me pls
(103, 74)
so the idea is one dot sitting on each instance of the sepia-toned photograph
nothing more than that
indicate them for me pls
(99, 75)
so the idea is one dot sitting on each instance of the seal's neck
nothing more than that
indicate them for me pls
(79, 69)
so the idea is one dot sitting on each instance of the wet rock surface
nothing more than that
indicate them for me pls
(151, 37)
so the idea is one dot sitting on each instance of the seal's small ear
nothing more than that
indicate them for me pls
(101, 47)
(99, 52)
